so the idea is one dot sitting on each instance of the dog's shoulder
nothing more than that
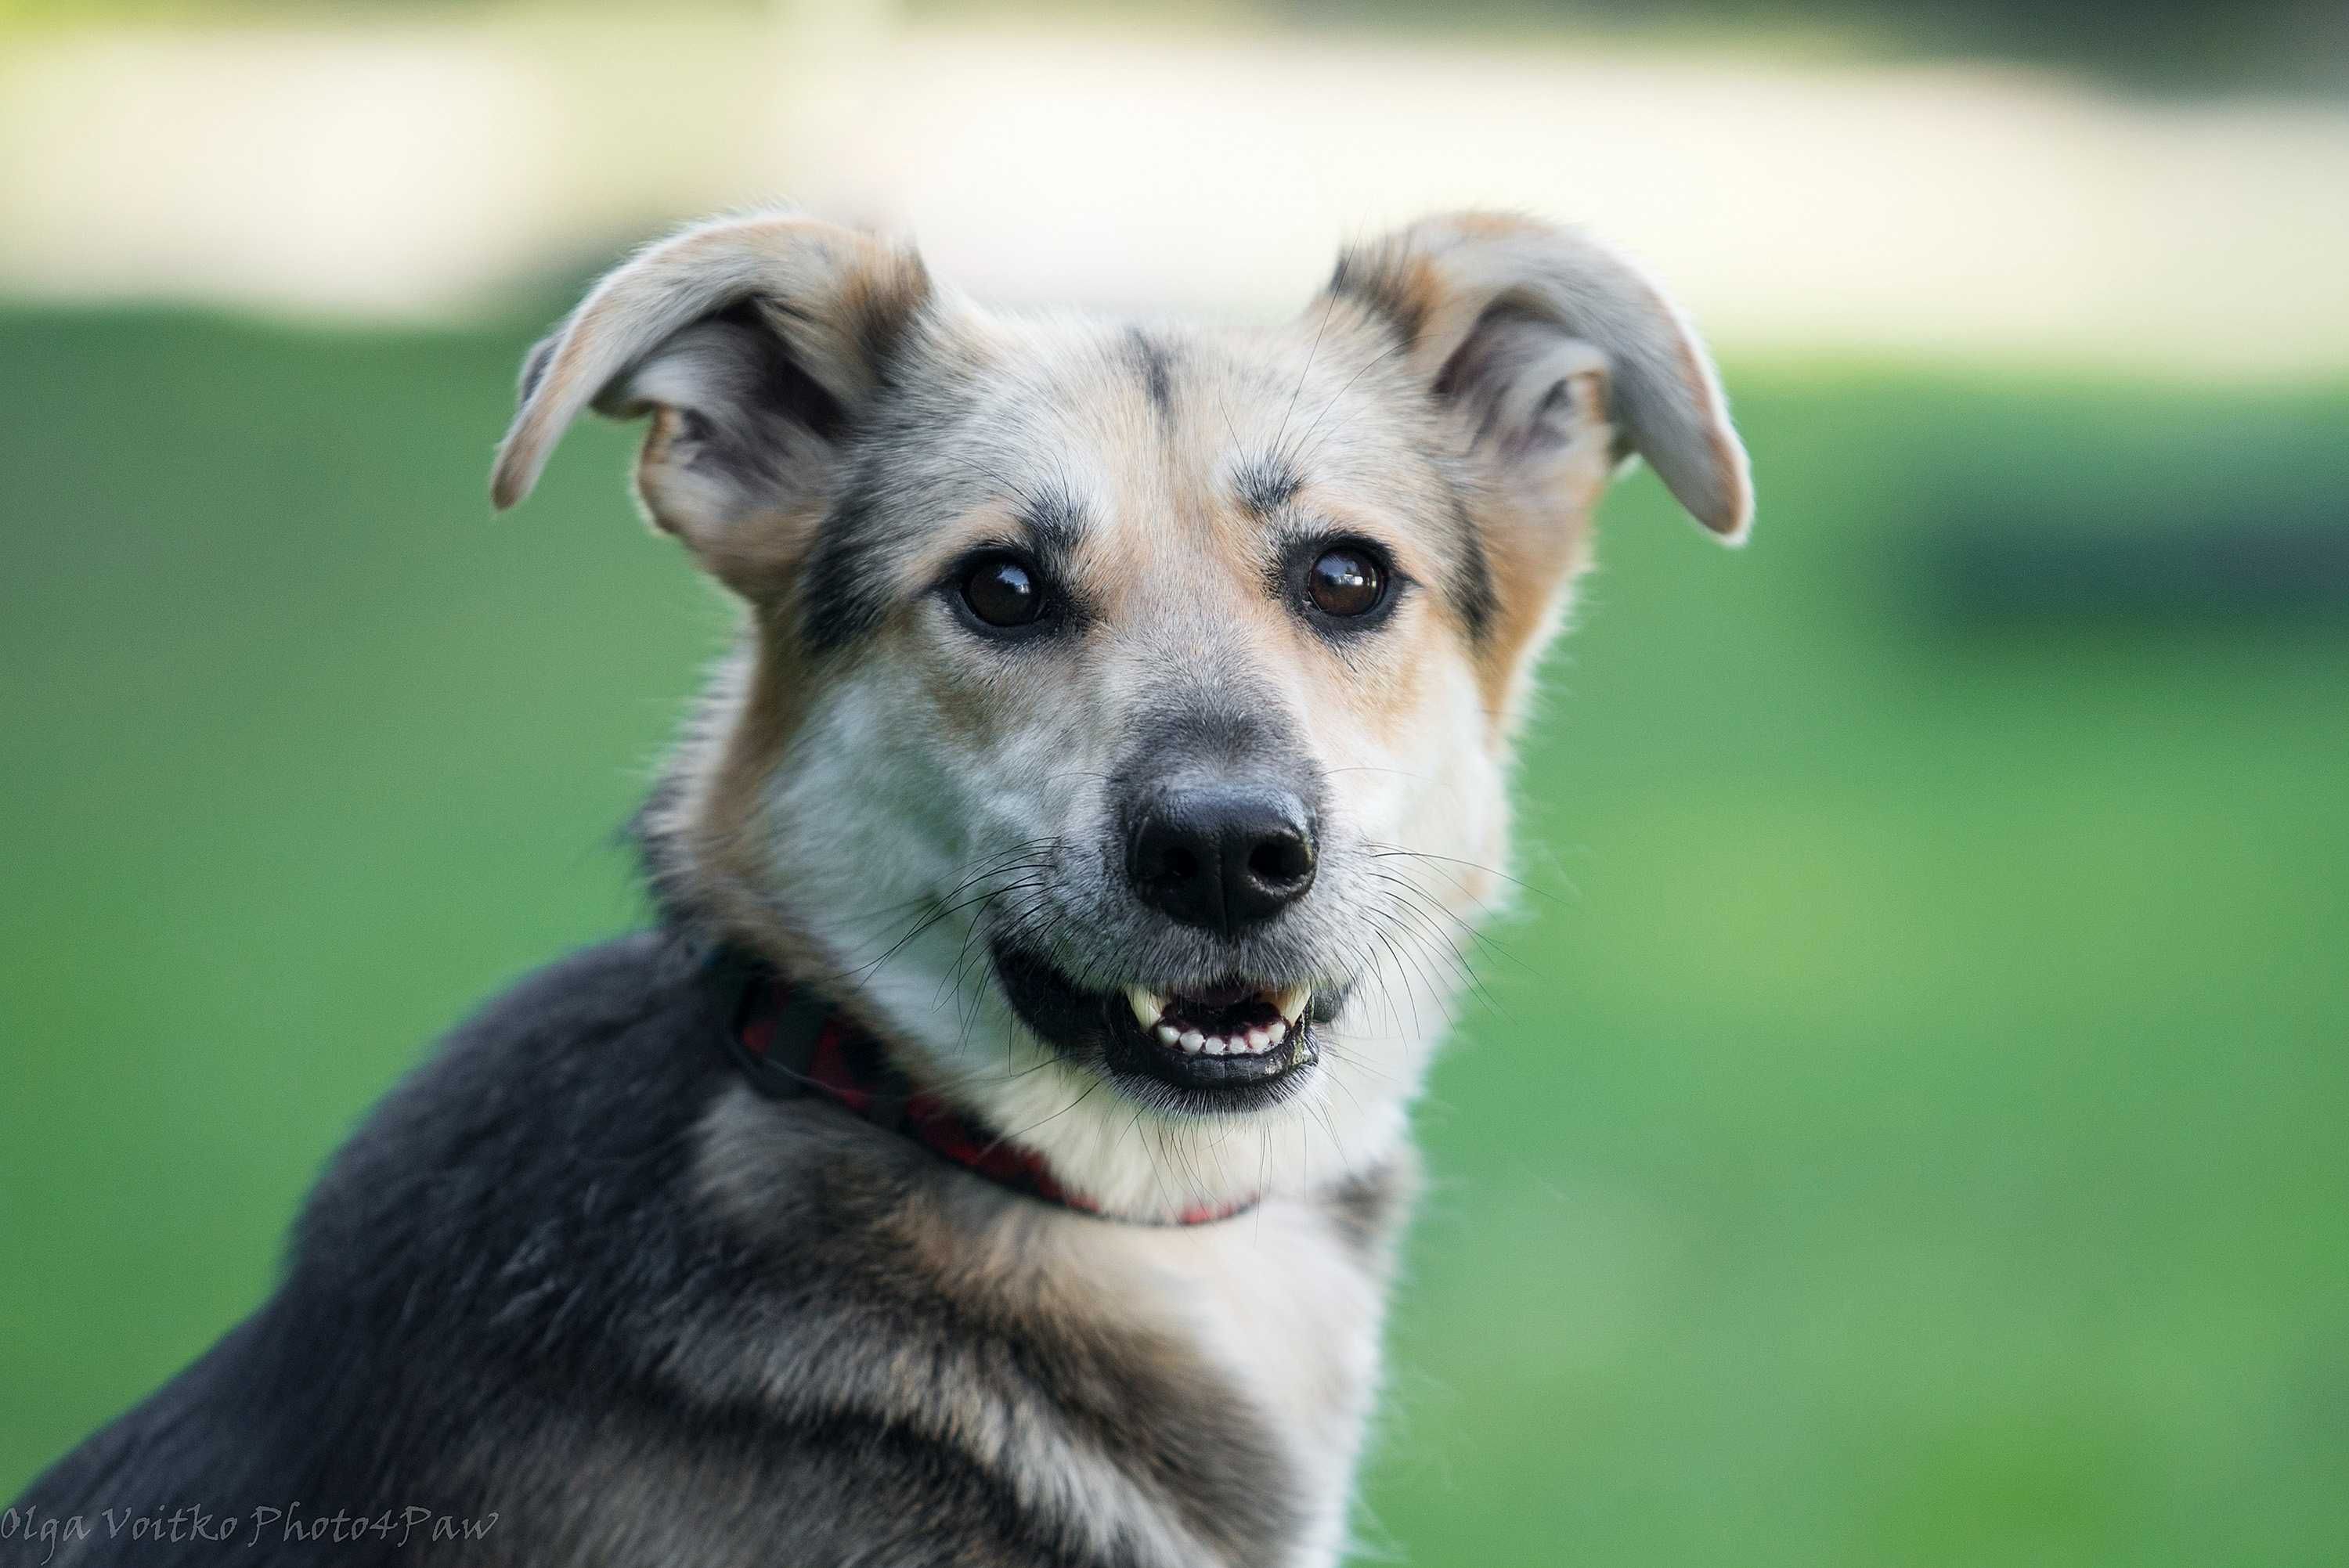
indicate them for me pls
(525, 1201)
(508, 1215)
(577, 1082)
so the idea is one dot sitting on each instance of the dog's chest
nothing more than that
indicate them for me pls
(1175, 1396)
(1284, 1311)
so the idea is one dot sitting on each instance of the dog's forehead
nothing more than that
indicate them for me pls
(1232, 409)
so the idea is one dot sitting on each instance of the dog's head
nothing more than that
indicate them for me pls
(1122, 722)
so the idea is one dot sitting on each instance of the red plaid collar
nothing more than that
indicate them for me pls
(791, 1043)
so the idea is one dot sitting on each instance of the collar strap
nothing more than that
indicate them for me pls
(791, 1043)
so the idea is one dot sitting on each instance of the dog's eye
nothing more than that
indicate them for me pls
(1002, 592)
(1346, 581)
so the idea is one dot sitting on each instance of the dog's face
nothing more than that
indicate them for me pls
(1124, 726)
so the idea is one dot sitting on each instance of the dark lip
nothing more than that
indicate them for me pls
(1098, 1029)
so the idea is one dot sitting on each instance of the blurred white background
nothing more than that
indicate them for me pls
(1806, 200)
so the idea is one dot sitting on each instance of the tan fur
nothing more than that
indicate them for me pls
(877, 791)
(1537, 555)
(1276, 1317)
(1460, 398)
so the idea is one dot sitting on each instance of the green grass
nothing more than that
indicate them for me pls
(1909, 1127)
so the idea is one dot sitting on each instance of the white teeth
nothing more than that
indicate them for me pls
(1148, 1006)
(1150, 1011)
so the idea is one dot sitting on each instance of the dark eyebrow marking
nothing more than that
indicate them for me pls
(1267, 483)
(1155, 364)
(1052, 521)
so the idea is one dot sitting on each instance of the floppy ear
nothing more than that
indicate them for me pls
(1532, 333)
(751, 342)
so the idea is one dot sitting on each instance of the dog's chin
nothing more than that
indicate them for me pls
(1240, 1044)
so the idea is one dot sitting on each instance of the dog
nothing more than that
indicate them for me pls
(996, 1152)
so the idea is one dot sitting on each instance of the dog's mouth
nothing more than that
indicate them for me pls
(1234, 1044)
(1232, 1018)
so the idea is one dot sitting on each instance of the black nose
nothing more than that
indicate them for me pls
(1221, 857)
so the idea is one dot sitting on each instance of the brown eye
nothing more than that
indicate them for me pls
(1346, 581)
(1002, 592)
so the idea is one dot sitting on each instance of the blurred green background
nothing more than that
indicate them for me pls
(1907, 1122)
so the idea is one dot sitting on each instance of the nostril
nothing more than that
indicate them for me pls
(1281, 861)
(1177, 864)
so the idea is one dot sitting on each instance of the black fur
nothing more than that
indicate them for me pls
(1267, 483)
(1471, 587)
(514, 1297)
(495, 1235)
(843, 597)
(872, 517)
